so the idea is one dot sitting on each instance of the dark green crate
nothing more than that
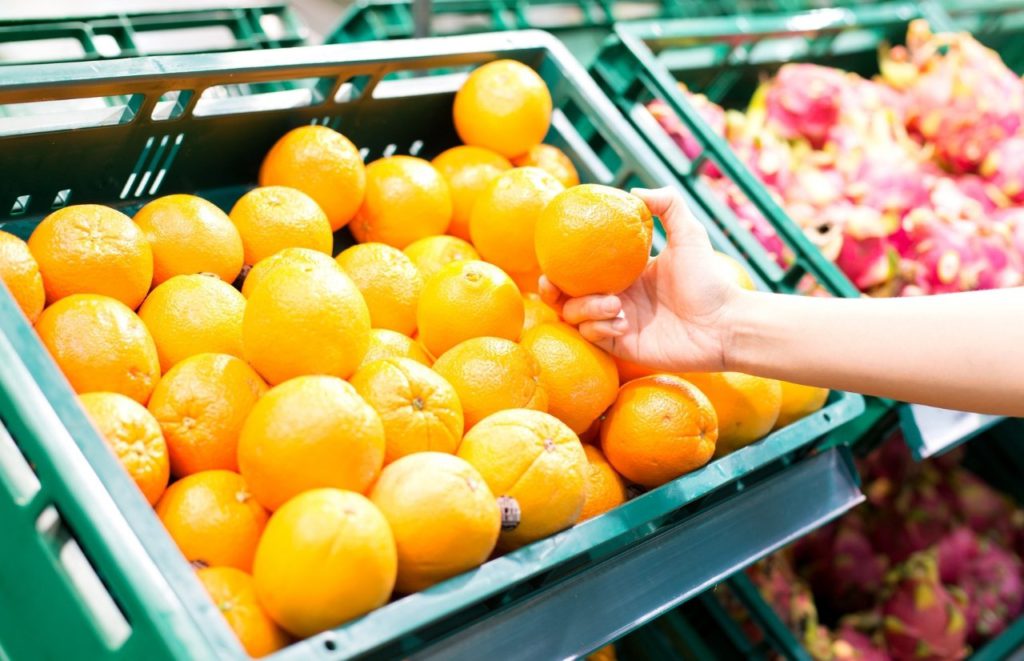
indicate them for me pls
(708, 523)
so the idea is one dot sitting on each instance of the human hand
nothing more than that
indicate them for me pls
(674, 317)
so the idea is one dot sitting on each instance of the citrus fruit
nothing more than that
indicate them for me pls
(593, 239)
(389, 344)
(799, 401)
(467, 170)
(503, 106)
(272, 218)
(133, 434)
(505, 214)
(444, 518)
(213, 518)
(551, 159)
(191, 314)
(406, 199)
(580, 379)
(321, 163)
(305, 319)
(431, 253)
(92, 249)
(20, 272)
(310, 432)
(747, 406)
(100, 345)
(201, 404)
(190, 235)
(419, 409)
(327, 556)
(593, 433)
(606, 653)
(536, 312)
(491, 374)
(659, 428)
(389, 282)
(234, 594)
(302, 256)
(465, 300)
(629, 370)
(528, 282)
(735, 271)
(536, 467)
(605, 488)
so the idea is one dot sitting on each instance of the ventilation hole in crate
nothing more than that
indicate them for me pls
(106, 45)
(273, 26)
(205, 38)
(351, 89)
(419, 82)
(171, 105)
(826, 417)
(58, 49)
(390, 150)
(61, 198)
(20, 205)
(414, 148)
(15, 470)
(363, 153)
(65, 114)
(260, 97)
(162, 172)
(137, 169)
(330, 645)
(152, 170)
(147, 174)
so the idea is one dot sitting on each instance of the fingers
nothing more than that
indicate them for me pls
(669, 205)
(591, 308)
(549, 293)
(604, 331)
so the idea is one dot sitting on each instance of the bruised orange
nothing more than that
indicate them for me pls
(468, 170)
(747, 406)
(20, 273)
(234, 594)
(272, 218)
(551, 159)
(504, 106)
(432, 253)
(605, 488)
(389, 282)
(406, 199)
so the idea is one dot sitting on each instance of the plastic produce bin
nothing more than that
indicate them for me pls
(84, 554)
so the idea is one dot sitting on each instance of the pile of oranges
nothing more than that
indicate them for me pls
(321, 433)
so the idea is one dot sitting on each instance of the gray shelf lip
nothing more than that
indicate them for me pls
(931, 431)
(567, 620)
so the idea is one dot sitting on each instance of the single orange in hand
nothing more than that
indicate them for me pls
(262, 268)
(537, 312)
(20, 273)
(201, 404)
(406, 199)
(321, 163)
(234, 594)
(467, 170)
(504, 106)
(491, 374)
(92, 249)
(213, 519)
(605, 488)
(134, 436)
(389, 344)
(190, 235)
(100, 345)
(747, 406)
(272, 218)
(432, 253)
(551, 159)
(799, 402)
(659, 428)
(444, 518)
(389, 282)
(593, 239)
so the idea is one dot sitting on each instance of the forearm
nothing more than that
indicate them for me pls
(960, 351)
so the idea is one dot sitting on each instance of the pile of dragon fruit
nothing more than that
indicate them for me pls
(928, 568)
(912, 182)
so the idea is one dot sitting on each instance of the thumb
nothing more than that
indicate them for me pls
(668, 205)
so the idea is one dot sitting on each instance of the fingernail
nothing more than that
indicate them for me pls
(620, 325)
(610, 306)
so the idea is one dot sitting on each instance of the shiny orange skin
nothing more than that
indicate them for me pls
(747, 406)
(537, 312)
(629, 370)
(20, 273)
(234, 594)
(389, 344)
(553, 160)
(262, 268)
(272, 218)
(468, 170)
(432, 253)
(389, 282)
(798, 402)
(406, 199)
(605, 488)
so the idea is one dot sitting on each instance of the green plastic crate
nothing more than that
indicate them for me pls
(137, 597)
(726, 58)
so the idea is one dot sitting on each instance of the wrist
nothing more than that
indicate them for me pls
(743, 331)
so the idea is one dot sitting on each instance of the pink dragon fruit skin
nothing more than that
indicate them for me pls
(937, 254)
(917, 518)
(852, 645)
(1001, 265)
(1004, 168)
(983, 509)
(955, 552)
(712, 113)
(804, 100)
(994, 589)
(921, 619)
(978, 190)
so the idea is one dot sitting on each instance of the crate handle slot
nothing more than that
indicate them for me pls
(233, 99)
(15, 470)
(65, 114)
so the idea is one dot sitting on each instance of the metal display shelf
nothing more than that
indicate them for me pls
(726, 58)
(60, 487)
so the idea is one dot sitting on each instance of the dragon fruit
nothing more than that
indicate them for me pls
(849, 644)
(886, 469)
(867, 256)
(937, 254)
(955, 552)
(922, 620)
(1001, 265)
(890, 184)
(792, 600)
(977, 189)
(989, 576)
(1004, 168)
(804, 100)
(918, 517)
(982, 508)
(712, 114)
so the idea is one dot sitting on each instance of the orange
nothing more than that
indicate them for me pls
(799, 401)
(326, 557)
(20, 272)
(100, 345)
(503, 106)
(606, 653)
(432, 253)
(213, 518)
(92, 249)
(272, 218)
(261, 268)
(135, 438)
(190, 235)
(593, 433)
(389, 344)
(735, 271)
(594, 239)
(491, 374)
(505, 214)
(305, 319)
(528, 282)
(444, 518)
(465, 300)
(629, 370)
(553, 160)
(192, 314)
(419, 409)
(536, 467)
(321, 163)
(201, 404)
(659, 428)
(406, 199)
(467, 170)
(310, 432)
(581, 380)
(537, 312)
(747, 406)
(234, 594)
(605, 488)
(389, 282)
